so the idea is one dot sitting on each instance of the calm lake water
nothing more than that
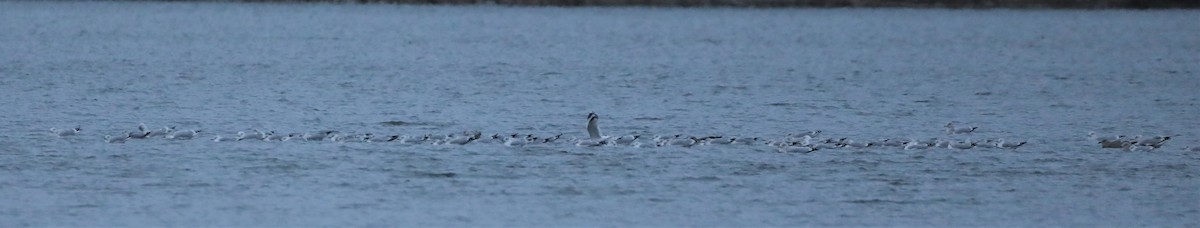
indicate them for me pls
(1046, 77)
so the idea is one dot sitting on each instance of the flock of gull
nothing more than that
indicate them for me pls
(805, 142)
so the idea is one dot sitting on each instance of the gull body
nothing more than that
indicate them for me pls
(279, 137)
(515, 141)
(117, 139)
(383, 139)
(961, 145)
(461, 140)
(684, 142)
(183, 135)
(164, 132)
(219, 138)
(412, 139)
(720, 140)
(987, 143)
(626, 140)
(914, 145)
(552, 139)
(892, 142)
(593, 127)
(256, 135)
(1155, 142)
(1133, 147)
(317, 136)
(745, 141)
(65, 132)
(951, 129)
(857, 145)
(1005, 144)
(796, 149)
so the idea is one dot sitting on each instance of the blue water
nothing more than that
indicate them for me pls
(1046, 77)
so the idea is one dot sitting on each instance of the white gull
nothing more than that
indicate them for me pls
(65, 132)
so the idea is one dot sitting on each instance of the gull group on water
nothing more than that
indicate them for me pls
(803, 142)
(1132, 144)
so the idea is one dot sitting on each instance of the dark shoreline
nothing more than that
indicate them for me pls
(952, 4)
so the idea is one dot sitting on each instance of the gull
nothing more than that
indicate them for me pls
(857, 145)
(317, 136)
(411, 139)
(684, 142)
(780, 143)
(626, 140)
(473, 133)
(892, 142)
(65, 132)
(336, 137)
(720, 140)
(514, 141)
(746, 141)
(183, 135)
(796, 149)
(371, 138)
(987, 143)
(147, 132)
(140, 135)
(219, 138)
(496, 138)
(1133, 147)
(660, 139)
(914, 145)
(928, 141)
(280, 137)
(951, 129)
(165, 131)
(810, 140)
(1156, 141)
(942, 144)
(119, 139)
(962, 145)
(258, 135)
(1005, 144)
(552, 139)
(461, 140)
(801, 136)
(592, 126)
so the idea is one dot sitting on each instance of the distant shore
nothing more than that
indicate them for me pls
(969, 4)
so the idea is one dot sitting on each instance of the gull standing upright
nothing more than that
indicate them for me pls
(592, 125)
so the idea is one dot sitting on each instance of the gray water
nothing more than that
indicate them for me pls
(1047, 77)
